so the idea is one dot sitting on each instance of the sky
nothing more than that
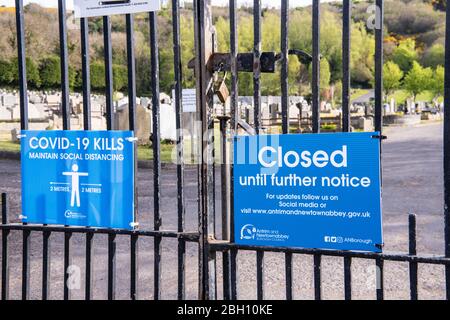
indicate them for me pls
(53, 3)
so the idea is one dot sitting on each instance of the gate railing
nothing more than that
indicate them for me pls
(226, 246)
(157, 233)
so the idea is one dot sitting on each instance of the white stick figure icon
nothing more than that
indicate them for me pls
(75, 184)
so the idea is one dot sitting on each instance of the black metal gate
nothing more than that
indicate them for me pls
(207, 64)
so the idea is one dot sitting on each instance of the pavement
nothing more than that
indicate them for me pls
(412, 172)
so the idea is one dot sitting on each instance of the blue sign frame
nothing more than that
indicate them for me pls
(78, 178)
(319, 191)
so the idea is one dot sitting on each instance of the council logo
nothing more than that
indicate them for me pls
(73, 215)
(248, 232)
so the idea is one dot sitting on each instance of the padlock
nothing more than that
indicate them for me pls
(221, 90)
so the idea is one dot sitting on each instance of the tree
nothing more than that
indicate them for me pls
(6, 74)
(33, 78)
(120, 77)
(437, 83)
(434, 56)
(50, 72)
(418, 80)
(325, 75)
(97, 75)
(405, 54)
(392, 77)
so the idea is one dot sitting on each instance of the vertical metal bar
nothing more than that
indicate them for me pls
(260, 274)
(108, 72)
(89, 266)
(346, 25)
(156, 144)
(234, 68)
(5, 256)
(46, 256)
(132, 126)
(285, 65)
(87, 125)
(131, 71)
(316, 66)
(85, 70)
(225, 201)
(348, 278)
(204, 48)
(413, 266)
(134, 263)
(317, 277)
(289, 275)
(234, 121)
(23, 91)
(234, 274)
(180, 150)
(111, 266)
(380, 278)
(447, 150)
(67, 264)
(25, 264)
(379, 38)
(257, 64)
(64, 58)
(285, 112)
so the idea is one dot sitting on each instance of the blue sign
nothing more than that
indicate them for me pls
(78, 178)
(319, 191)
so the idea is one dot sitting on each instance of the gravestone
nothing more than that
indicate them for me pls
(35, 98)
(36, 112)
(168, 122)
(53, 100)
(145, 102)
(143, 122)
(5, 114)
(293, 111)
(9, 100)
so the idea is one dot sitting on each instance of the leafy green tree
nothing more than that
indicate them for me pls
(434, 56)
(6, 74)
(418, 80)
(120, 77)
(437, 83)
(50, 72)
(392, 77)
(97, 73)
(405, 54)
(325, 76)
(33, 78)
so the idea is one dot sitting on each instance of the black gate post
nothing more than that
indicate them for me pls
(447, 151)
(204, 47)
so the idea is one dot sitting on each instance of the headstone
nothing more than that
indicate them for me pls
(365, 124)
(145, 102)
(36, 112)
(53, 100)
(168, 122)
(10, 100)
(293, 111)
(265, 111)
(35, 98)
(5, 114)
(143, 124)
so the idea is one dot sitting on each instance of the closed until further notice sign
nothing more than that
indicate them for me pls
(78, 178)
(309, 191)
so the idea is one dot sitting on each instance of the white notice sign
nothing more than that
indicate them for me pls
(96, 8)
